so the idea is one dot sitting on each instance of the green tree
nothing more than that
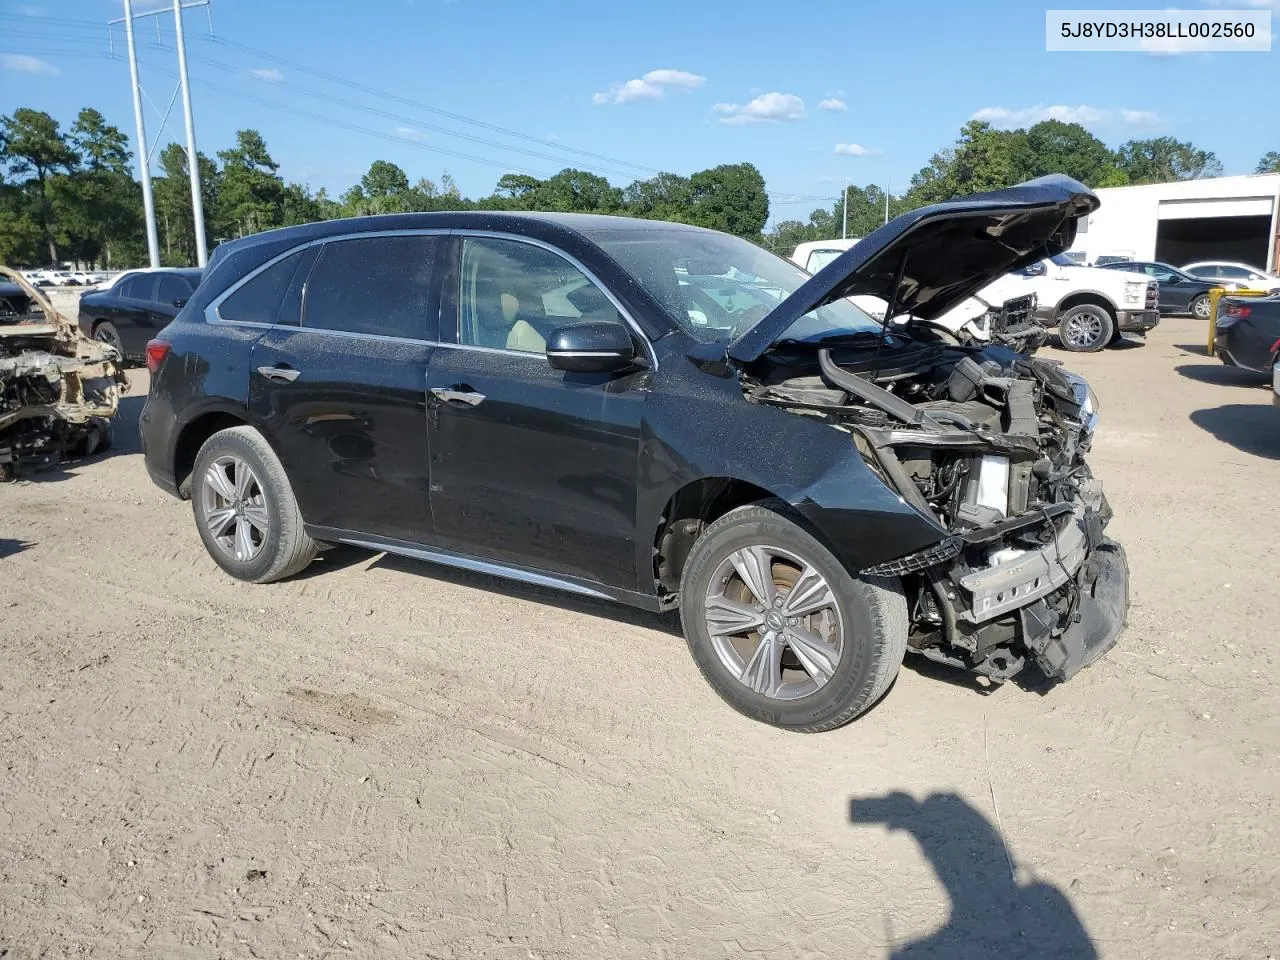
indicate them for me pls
(173, 202)
(1164, 160)
(32, 143)
(667, 196)
(1270, 163)
(730, 197)
(101, 146)
(252, 194)
(1056, 147)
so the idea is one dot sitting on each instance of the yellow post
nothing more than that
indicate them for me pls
(1215, 295)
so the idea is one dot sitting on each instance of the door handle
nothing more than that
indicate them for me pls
(449, 394)
(282, 374)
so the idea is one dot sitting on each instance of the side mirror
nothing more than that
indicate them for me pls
(180, 302)
(1033, 269)
(597, 346)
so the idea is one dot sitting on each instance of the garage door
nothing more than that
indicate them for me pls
(1206, 209)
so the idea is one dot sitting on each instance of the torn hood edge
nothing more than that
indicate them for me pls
(953, 250)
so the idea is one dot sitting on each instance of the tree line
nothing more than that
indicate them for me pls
(71, 195)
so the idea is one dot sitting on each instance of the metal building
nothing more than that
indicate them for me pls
(1222, 218)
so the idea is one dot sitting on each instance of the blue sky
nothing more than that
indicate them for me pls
(666, 85)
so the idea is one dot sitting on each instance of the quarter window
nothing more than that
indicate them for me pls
(139, 287)
(378, 286)
(514, 294)
(258, 300)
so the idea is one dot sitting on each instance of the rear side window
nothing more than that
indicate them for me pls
(172, 287)
(378, 286)
(260, 300)
(140, 287)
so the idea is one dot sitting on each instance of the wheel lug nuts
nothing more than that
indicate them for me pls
(791, 621)
(777, 602)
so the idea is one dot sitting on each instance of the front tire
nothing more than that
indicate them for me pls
(245, 509)
(1086, 328)
(781, 630)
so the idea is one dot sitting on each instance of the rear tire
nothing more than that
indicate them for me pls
(105, 331)
(825, 667)
(245, 509)
(1200, 307)
(1086, 328)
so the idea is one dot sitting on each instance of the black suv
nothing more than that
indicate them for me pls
(661, 415)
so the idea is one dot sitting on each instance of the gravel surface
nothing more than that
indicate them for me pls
(381, 758)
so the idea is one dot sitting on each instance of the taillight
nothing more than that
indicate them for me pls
(157, 350)
(1237, 310)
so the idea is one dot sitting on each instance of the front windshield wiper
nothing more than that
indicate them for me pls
(843, 337)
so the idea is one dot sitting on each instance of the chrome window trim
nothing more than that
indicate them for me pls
(572, 261)
(212, 316)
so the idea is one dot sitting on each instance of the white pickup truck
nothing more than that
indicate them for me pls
(1091, 307)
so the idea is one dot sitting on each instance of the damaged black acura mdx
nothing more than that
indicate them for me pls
(664, 416)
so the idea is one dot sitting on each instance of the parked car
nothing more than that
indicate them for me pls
(136, 307)
(531, 395)
(816, 254)
(1091, 306)
(1247, 276)
(1247, 332)
(1180, 292)
(1109, 259)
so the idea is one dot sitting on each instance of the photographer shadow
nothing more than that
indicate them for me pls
(992, 915)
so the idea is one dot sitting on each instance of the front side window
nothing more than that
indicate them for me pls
(716, 286)
(513, 294)
(377, 286)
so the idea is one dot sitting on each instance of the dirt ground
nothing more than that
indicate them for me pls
(383, 758)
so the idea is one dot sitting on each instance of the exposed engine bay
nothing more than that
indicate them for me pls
(991, 445)
(58, 388)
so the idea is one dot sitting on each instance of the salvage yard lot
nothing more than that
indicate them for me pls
(384, 758)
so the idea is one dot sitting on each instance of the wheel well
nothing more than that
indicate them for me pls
(192, 439)
(687, 514)
(1079, 299)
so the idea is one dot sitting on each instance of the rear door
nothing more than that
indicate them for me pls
(339, 382)
(530, 465)
(131, 312)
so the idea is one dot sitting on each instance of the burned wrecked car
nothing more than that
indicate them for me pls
(664, 416)
(58, 389)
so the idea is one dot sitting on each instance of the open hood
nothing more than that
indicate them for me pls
(937, 256)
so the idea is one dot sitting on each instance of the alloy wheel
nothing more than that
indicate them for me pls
(1201, 308)
(108, 335)
(774, 622)
(1082, 329)
(234, 508)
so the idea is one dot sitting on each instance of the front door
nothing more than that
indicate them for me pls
(342, 392)
(530, 465)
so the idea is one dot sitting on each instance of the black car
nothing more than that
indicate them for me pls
(1180, 292)
(1248, 332)
(537, 396)
(136, 307)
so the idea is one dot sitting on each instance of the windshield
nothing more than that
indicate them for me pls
(820, 258)
(1063, 260)
(716, 286)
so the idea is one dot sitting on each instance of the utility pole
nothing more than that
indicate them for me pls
(144, 154)
(193, 159)
(886, 203)
(844, 203)
(144, 161)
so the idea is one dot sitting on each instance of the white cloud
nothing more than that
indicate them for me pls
(1009, 119)
(766, 108)
(21, 63)
(855, 150)
(270, 74)
(834, 104)
(31, 11)
(652, 86)
(410, 133)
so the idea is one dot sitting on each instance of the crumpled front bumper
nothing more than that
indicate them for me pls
(1082, 562)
